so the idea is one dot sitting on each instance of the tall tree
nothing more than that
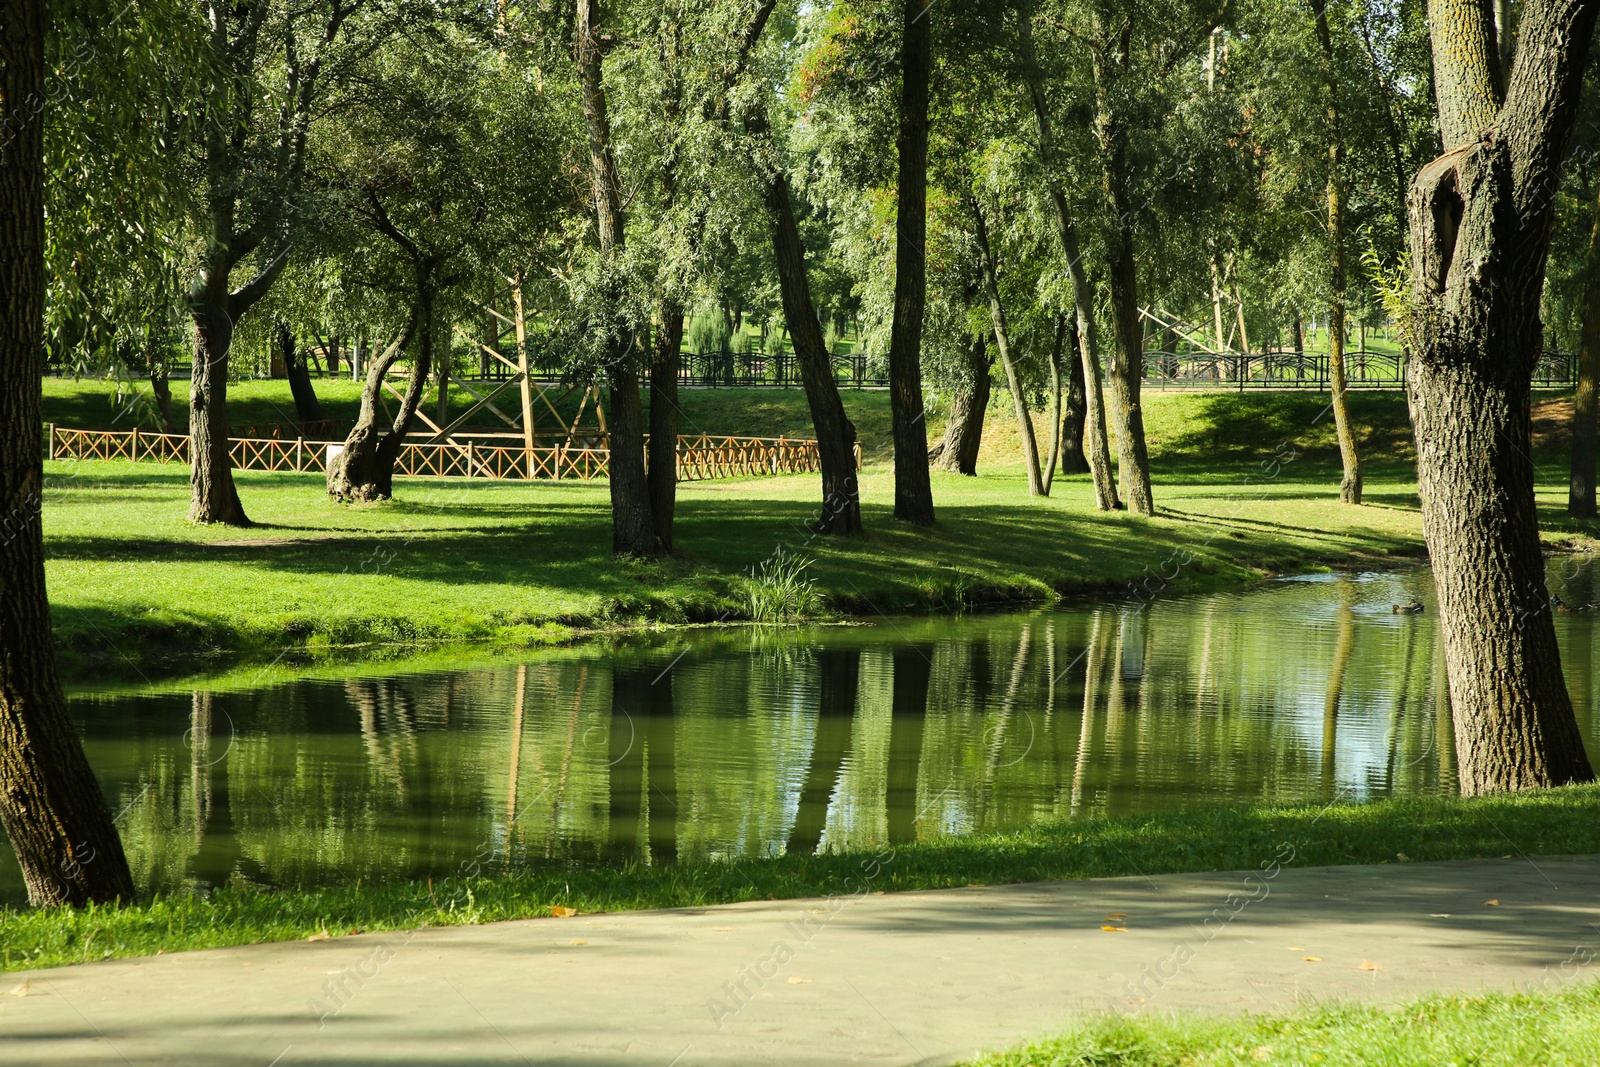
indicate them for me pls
(1002, 342)
(1480, 218)
(632, 527)
(53, 811)
(253, 159)
(1586, 400)
(1350, 484)
(1094, 417)
(913, 490)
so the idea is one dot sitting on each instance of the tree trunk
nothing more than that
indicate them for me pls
(1127, 359)
(306, 405)
(53, 811)
(1002, 341)
(664, 416)
(161, 389)
(633, 531)
(1586, 402)
(836, 434)
(963, 433)
(1350, 483)
(213, 497)
(913, 492)
(1099, 451)
(1075, 419)
(1480, 223)
(839, 674)
(364, 471)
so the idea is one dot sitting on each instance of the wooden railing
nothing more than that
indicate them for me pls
(488, 456)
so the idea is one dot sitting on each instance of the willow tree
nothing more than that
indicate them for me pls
(1480, 218)
(1349, 455)
(53, 811)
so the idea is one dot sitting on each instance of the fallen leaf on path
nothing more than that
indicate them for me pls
(562, 912)
(1118, 915)
(577, 942)
(1368, 965)
(799, 981)
(1492, 903)
(320, 935)
(1312, 959)
(20, 990)
(1116, 929)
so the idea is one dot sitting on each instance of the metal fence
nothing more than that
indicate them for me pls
(479, 456)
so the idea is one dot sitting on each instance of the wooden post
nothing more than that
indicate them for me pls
(133, 453)
(471, 458)
(299, 453)
(521, 324)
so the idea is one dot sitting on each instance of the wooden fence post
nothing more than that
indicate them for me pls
(299, 453)
(133, 453)
(470, 457)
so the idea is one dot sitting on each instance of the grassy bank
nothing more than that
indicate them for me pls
(1553, 1028)
(1546, 823)
(1245, 484)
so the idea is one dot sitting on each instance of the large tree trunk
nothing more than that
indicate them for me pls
(664, 416)
(1127, 358)
(1586, 403)
(1099, 450)
(53, 811)
(913, 491)
(1350, 484)
(1480, 222)
(213, 497)
(363, 472)
(836, 434)
(1002, 341)
(633, 531)
(963, 433)
(1074, 422)
(306, 406)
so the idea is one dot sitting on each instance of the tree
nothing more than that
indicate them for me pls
(1350, 484)
(54, 813)
(1002, 342)
(1094, 412)
(632, 526)
(913, 491)
(1480, 219)
(1586, 400)
(252, 161)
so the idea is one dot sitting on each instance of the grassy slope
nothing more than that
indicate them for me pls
(1544, 823)
(139, 591)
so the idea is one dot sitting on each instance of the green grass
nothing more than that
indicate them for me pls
(1540, 823)
(1552, 1028)
(1245, 486)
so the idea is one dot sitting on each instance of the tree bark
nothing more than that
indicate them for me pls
(306, 405)
(50, 804)
(1099, 451)
(1586, 401)
(161, 389)
(835, 433)
(363, 472)
(913, 491)
(963, 433)
(213, 497)
(1127, 359)
(1075, 418)
(1480, 219)
(1002, 341)
(664, 417)
(633, 530)
(1350, 457)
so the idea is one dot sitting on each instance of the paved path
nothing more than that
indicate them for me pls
(913, 978)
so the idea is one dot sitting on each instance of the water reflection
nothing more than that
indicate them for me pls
(729, 745)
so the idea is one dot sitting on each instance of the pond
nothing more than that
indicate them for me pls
(723, 744)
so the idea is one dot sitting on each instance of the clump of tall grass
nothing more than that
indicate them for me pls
(779, 591)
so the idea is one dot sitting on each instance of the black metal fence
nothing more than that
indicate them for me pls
(1290, 370)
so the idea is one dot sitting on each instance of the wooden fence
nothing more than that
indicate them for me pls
(484, 456)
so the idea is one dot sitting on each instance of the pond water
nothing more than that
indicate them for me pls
(738, 743)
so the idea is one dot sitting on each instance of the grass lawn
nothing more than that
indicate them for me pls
(1552, 1028)
(1245, 485)
(1549, 822)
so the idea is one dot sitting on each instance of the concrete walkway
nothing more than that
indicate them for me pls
(914, 978)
